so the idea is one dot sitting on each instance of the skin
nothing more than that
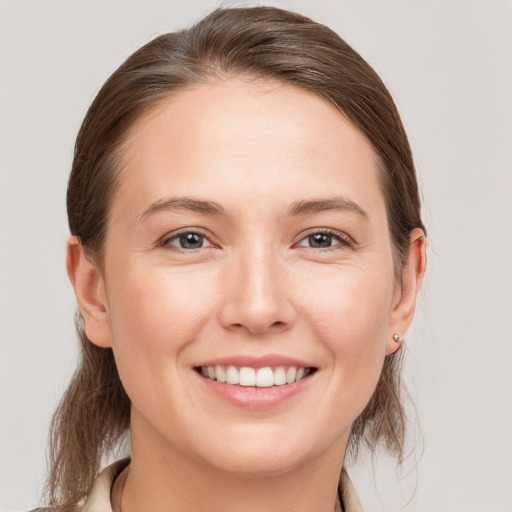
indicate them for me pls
(255, 287)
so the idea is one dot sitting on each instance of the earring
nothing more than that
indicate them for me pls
(397, 338)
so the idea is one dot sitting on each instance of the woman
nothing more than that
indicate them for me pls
(246, 253)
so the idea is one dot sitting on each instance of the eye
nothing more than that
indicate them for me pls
(324, 240)
(188, 240)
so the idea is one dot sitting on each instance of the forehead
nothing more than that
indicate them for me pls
(236, 137)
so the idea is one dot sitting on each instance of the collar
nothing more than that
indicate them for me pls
(99, 498)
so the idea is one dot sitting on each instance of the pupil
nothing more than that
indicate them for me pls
(320, 240)
(191, 241)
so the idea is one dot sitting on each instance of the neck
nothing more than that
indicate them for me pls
(164, 480)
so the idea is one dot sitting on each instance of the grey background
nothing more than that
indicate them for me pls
(448, 65)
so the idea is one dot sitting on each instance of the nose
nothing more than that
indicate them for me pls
(257, 299)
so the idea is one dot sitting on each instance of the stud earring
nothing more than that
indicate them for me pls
(397, 338)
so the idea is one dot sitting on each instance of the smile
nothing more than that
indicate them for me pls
(265, 377)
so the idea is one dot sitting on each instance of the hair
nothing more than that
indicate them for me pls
(254, 43)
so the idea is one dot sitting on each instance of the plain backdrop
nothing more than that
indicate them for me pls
(448, 65)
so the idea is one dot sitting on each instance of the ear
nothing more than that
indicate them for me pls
(89, 287)
(407, 290)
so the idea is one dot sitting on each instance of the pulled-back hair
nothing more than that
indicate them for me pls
(256, 43)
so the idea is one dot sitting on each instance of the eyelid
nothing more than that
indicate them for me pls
(164, 241)
(345, 240)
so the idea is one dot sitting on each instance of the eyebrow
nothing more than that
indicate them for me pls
(298, 208)
(321, 205)
(183, 203)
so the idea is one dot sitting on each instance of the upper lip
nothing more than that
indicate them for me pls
(256, 361)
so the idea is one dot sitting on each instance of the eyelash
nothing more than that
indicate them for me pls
(166, 242)
(342, 239)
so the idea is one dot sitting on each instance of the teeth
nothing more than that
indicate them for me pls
(232, 375)
(265, 377)
(247, 376)
(279, 376)
(220, 373)
(261, 377)
(290, 374)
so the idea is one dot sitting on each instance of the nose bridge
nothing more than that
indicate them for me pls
(256, 296)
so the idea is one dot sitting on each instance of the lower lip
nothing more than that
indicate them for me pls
(252, 397)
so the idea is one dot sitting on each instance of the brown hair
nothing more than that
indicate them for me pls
(258, 43)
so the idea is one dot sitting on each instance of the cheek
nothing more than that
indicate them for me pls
(349, 304)
(351, 315)
(154, 316)
(155, 304)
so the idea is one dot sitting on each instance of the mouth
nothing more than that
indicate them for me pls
(247, 376)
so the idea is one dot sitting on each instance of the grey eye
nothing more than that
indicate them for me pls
(320, 240)
(189, 240)
(324, 240)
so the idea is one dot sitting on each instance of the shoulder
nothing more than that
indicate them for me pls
(51, 509)
(348, 494)
(99, 497)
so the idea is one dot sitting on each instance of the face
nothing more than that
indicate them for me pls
(248, 242)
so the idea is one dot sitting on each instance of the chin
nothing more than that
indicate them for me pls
(251, 464)
(260, 454)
